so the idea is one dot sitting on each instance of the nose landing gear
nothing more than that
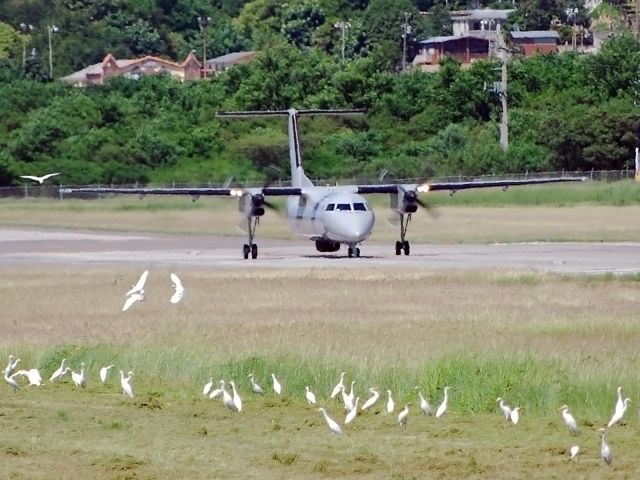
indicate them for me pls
(403, 245)
(353, 251)
(251, 248)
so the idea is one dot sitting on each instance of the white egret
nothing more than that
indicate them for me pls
(227, 399)
(179, 289)
(426, 408)
(104, 373)
(506, 409)
(573, 451)
(131, 299)
(569, 420)
(41, 179)
(11, 381)
(207, 387)
(310, 396)
(33, 375)
(346, 399)
(276, 384)
(352, 395)
(515, 415)
(443, 406)
(331, 423)
(217, 392)
(618, 414)
(139, 285)
(78, 378)
(125, 383)
(391, 405)
(11, 365)
(371, 400)
(255, 387)
(59, 372)
(605, 451)
(237, 401)
(403, 415)
(353, 412)
(620, 401)
(339, 386)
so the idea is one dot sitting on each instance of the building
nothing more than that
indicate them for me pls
(535, 41)
(482, 23)
(227, 61)
(464, 49)
(189, 69)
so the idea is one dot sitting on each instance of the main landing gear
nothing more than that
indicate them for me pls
(251, 248)
(403, 245)
(353, 252)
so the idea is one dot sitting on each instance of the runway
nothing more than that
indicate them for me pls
(38, 246)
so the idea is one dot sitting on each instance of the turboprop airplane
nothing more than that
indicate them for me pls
(328, 215)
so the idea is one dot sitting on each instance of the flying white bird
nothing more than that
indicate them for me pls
(618, 414)
(426, 408)
(11, 365)
(352, 414)
(125, 383)
(339, 386)
(237, 401)
(331, 423)
(40, 180)
(207, 387)
(131, 299)
(227, 399)
(391, 405)
(179, 289)
(139, 286)
(11, 382)
(443, 406)
(506, 409)
(605, 450)
(569, 420)
(78, 378)
(217, 392)
(371, 400)
(255, 387)
(515, 415)
(573, 451)
(59, 372)
(402, 416)
(33, 375)
(276, 384)
(310, 396)
(104, 373)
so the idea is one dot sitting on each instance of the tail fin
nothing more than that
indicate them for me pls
(298, 178)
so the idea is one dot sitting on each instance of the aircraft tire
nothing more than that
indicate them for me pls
(245, 251)
(398, 248)
(406, 247)
(254, 251)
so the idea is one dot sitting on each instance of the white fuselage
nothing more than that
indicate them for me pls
(331, 213)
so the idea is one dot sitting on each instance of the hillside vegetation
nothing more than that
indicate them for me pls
(567, 111)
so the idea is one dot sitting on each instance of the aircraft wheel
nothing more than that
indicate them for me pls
(254, 251)
(357, 252)
(245, 251)
(406, 247)
(350, 252)
(398, 248)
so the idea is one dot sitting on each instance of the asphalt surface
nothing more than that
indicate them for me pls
(38, 246)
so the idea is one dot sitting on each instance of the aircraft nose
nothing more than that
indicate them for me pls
(349, 226)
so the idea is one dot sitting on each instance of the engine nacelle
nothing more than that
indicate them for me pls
(251, 205)
(403, 202)
(327, 246)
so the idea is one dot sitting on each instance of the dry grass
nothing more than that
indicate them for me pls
(539, 340)
(220, 217)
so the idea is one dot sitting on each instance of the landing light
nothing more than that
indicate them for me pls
(235, 192)
(424, 188)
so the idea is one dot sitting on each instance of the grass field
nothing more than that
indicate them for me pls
(537, 340)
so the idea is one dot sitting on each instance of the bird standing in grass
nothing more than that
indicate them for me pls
(515, 415)
(12, 383)
(443, 406)
(79, 379)
(352, 414)
(506, 409)
(569, 420)
(331, 423)
(237, 401)
(104, 373)
(207, 387)
(309, 395)
(403, 415)
(619, 413)
(391, 405)
(371, 401)
(339, 386)
(33, 375)
(255, 388)
(573, 451)
(426, 408)
(227, 399)
(125, 383)
(605, 450)
(59, 372)
(277, 387)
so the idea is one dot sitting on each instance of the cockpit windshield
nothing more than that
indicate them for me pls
(344, 206)
(347, 207)
(360, 206)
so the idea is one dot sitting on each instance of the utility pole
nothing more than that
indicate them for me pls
(203, 23)
(51, 29)
(504, 119)
(406, 30)
(26, 29)
(343, 27)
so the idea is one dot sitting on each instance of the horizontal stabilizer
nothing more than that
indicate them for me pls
(284, 113)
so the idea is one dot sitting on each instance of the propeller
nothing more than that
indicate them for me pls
(411, 197)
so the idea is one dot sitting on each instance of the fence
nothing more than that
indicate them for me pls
(28, 190)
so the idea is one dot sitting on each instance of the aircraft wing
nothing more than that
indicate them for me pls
(455, 186)
(191, 191)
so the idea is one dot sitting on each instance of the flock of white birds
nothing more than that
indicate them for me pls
(136, 293)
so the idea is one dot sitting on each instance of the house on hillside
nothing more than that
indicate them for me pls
(464, 49)
(227, 61)
(189, 69)
(535, 41)
(482, 23)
